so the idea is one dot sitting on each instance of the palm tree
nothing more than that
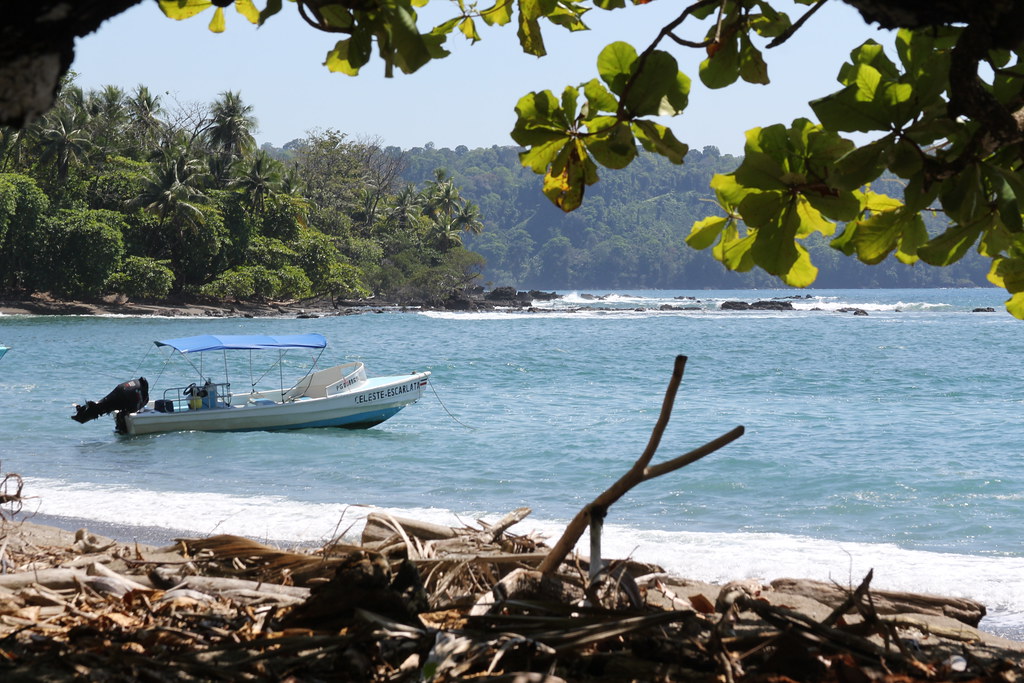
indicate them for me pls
(467, 219)
(64, 139)
(229, 132)
(259, 178)
(406, 209)
(450, 215)
(144, 124)
(173, 193)
(291, 180)
(10, 148)
(441, 197)
(108, 115)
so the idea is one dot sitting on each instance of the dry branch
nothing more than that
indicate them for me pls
(595, 511)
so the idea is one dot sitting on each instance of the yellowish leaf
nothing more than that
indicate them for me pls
(217, 24)
(183, 9)
(248, 10)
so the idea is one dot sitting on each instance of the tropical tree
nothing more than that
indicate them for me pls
(108, 116)
(82, 248)
(449, 214)
(258, 177)
(23, 206)
(144, 123)
(10, 148)
(332, 173)
(229, 133)
(64, 139)
(173, 193)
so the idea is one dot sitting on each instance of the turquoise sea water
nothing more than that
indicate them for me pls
(890, 441)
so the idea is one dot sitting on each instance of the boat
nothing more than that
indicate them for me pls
(3, 350)
(339, 396)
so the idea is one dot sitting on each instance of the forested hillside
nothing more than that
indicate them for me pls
(630, 232)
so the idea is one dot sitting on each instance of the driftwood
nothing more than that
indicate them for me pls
(371, 617)
(887, 602)
(380, 528)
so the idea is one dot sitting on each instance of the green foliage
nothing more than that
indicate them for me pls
(83, 248)
(142, 277)
(196, 209)
(259, 282)
(120, 181)
(22, 207)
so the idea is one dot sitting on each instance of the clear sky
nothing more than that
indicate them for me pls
(467, 98)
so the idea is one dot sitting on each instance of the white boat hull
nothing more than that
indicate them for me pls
(348, 404)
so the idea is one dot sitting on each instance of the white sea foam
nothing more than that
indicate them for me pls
(712, 557)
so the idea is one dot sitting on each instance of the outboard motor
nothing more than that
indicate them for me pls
(127, 397)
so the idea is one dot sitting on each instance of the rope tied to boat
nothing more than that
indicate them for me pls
(431, 385)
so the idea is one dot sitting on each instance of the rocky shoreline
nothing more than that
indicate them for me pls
(499, 298)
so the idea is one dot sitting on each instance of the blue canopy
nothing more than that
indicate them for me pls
(252, 342)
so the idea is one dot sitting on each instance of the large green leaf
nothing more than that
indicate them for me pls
(410, 51)
(184, 9)
(762, 209)
(734, 251)
(872, 54)
(272, 8)
(874, 237)
(615, 65)
(861, 165)
(339, 60)
(764, 164)
(925, 56)
(500, 13)
(950, 246)
(569, 175)
(963, 196)
(336, 15)
(1009, 274)
(722, 67)
(835, 204)
(704, 233)
(812, 220)
(598, 97)
(660, 139)
(770, 23)
(1010, 191)
(538, 158)
(776, 251)
(614, 146)
(529, 32)
(753, 68)
(570, 96)
(541, 119)
(657, 86)
(729, 192)
(860, 106)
